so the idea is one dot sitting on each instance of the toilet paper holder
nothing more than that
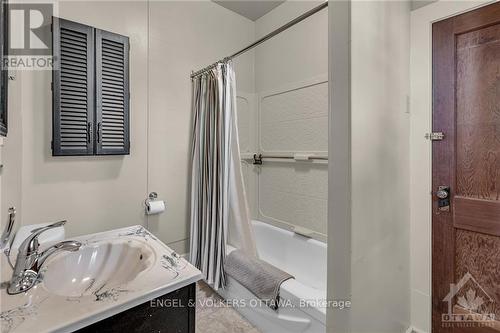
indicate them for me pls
(151, 197)
(154, 206)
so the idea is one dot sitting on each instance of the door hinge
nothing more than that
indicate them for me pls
(434, 136)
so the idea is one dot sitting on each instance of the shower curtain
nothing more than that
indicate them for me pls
(218, 195)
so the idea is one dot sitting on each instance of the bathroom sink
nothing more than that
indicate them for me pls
(111, 272)
(98, 268)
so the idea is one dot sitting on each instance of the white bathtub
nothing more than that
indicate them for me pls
(305, 259)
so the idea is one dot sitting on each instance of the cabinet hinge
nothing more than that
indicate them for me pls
(434, 136)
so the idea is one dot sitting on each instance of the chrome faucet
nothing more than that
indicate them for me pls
(7, 234)
(29, 260)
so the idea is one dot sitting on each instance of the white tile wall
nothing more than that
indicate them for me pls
(247, 134)
(288, 113)
(243, 105)
(295, 120)
(295, 193)
(291, 119)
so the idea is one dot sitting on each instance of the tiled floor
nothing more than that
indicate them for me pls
(213, 316)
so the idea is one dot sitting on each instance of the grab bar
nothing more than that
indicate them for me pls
(257, 158)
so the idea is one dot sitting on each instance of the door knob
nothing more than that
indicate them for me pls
(443, 195)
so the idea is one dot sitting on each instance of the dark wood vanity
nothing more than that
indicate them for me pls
(171, 313)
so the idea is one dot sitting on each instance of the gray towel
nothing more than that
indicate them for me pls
(262, 279)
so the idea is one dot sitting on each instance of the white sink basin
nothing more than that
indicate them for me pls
(98, 268)
(112, 272)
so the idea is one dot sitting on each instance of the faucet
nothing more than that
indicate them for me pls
(6, 238)
(29, 260)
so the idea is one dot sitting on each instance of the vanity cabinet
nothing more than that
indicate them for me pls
(171, 313)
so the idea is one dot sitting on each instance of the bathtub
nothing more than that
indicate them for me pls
(303, 258)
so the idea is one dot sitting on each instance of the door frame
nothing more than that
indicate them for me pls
(421, 153)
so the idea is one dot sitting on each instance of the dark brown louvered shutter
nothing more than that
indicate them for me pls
(73, 85)
(112, 93)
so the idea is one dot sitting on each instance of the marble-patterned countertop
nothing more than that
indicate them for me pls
(41, 310)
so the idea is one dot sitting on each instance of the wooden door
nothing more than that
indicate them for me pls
(466, 234)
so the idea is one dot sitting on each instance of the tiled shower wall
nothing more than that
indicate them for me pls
(288, 113)
(295, 119)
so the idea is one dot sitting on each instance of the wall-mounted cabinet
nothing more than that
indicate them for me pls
(90, 91)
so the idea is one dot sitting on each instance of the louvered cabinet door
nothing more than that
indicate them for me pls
(112, 94)
(73, 85)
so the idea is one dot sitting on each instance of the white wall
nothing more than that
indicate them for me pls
(92, 193)
(339, 167)
(106, 192)
(173, 55)
(184, 36)
(1, 172)
(295, 55)
(380, 226)
(99, 193)
(10, 174)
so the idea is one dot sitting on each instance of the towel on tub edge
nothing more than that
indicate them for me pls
(262, 279)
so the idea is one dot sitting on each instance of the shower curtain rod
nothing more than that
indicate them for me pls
(266, 37)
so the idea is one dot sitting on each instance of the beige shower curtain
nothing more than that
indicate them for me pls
(218, 195)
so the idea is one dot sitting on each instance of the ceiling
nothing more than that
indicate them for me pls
(416, 4)
(252, 10)
(255, 9)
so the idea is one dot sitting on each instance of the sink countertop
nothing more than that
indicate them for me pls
(39, 310)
